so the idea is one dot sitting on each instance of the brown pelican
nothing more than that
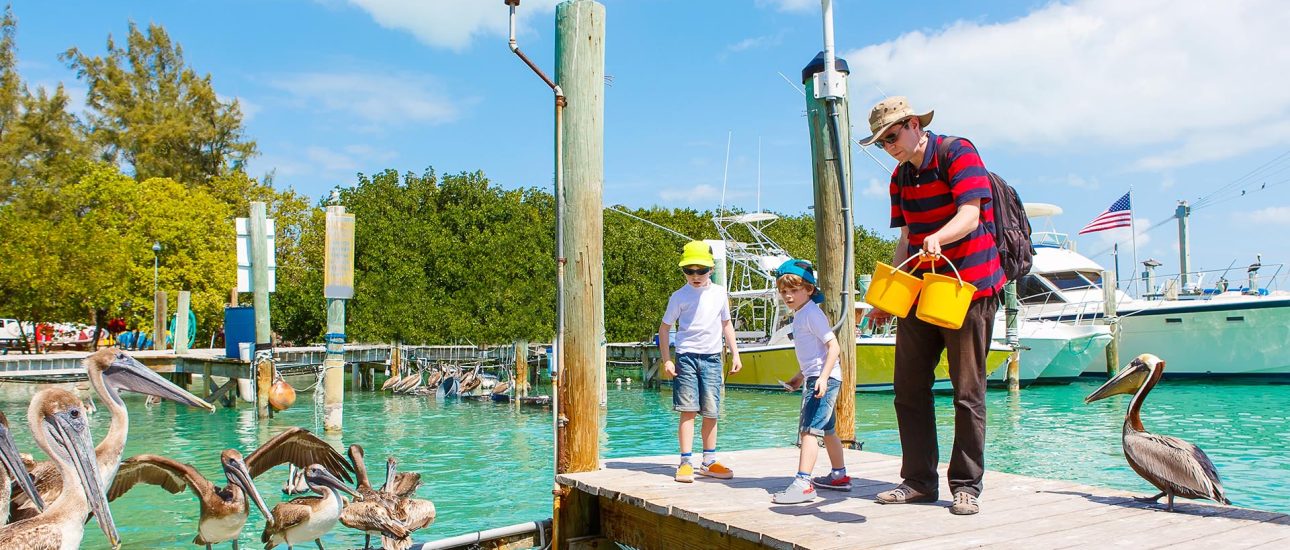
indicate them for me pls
(1174, 466)
(60, 428)
(110, 371)
(375, 514)
(14, 470)
(224, 511)
(415, 513)
(307, 518)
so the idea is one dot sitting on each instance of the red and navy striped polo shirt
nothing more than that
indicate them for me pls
(923, 202)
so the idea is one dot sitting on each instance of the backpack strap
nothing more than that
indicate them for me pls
(942, 157)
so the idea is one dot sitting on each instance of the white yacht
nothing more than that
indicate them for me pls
(1199, 332)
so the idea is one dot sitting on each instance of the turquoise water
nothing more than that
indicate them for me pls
(489, 465)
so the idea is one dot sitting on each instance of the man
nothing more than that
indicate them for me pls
(943, 217)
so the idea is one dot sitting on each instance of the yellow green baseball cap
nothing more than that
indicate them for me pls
(696, 253)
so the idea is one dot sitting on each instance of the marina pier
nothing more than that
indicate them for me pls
(634, 501)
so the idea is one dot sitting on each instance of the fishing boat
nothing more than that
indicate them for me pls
(1051, 351)
(1211, 329)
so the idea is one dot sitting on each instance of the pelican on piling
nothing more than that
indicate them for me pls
(307, 518)
(224, 511)
(60, 428)
(1174, 466)
(110, 371)
(14, 471)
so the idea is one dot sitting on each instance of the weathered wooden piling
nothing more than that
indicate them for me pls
(181, 322)
(1012, 309)
(263, 357)
(159, 321)
(338, 286)
(580, 73)
(830, 232)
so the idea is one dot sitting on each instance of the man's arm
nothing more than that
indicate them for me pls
(963, 223)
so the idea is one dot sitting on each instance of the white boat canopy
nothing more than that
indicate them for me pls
(751, 217)
(1041, 209)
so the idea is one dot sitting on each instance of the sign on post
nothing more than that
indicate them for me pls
(244, 282)
(338, 279)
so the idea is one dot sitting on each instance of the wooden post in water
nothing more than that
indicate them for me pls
(181, 322)
(580, 73)
(1112, 319)
(338, 286)
(159, 321)
(521, 369)
(263, 357)
(830, 234)
(1011, 309)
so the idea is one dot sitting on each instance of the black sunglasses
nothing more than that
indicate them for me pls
(699, 271)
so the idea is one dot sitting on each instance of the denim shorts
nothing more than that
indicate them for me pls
(818, 416)
(697, 384)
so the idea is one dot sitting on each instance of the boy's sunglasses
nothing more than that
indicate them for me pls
(699, 271)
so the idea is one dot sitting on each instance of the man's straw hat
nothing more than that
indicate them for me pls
(890, 111)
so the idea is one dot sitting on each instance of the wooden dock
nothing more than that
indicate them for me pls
(635, 501)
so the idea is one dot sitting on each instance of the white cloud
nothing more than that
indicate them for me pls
(451, 24)
(1273, 215)
(374, 98)
(1179, 77)
(877, 188)
(248, 109)
(702, 194)
(756, 42)
(789, 5)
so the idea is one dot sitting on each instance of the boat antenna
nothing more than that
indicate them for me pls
(866, 150)
(724, 173)
(758, 174)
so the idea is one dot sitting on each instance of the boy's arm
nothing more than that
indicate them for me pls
(728, 329)
(664, 353)
(830, 358)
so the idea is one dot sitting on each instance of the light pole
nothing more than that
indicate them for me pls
(156, 250)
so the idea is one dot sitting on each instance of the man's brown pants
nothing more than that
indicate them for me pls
(918, 351)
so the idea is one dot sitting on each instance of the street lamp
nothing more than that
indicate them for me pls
(156, 249)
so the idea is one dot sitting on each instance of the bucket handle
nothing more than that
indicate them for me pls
(947, 260)
(921, 261)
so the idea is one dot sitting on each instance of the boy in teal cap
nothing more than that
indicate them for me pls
(701, 312)
(817, 357)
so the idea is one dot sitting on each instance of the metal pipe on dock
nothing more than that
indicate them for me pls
(473, 540)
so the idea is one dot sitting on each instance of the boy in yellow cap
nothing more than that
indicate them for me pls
(701, 312)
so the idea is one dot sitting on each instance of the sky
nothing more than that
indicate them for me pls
(1074, 103)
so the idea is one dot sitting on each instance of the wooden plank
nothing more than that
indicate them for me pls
(1250, 535)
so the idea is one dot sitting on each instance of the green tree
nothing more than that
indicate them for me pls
(151, 110)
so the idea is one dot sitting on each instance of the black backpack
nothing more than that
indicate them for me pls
(1011, 226)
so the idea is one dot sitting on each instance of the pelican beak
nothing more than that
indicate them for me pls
(12, 460)
(1130, 378)
(238, 474)
(127, 373)
(325, 478)
(70, 431)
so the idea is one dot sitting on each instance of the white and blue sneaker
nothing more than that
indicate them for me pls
(797, 492)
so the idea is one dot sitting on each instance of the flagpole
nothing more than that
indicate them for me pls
(1133, 230)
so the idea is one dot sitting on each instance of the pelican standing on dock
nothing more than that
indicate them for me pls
(1174, 466)
(60, 427)
(109, 370)
(14, 470)
(307, 518)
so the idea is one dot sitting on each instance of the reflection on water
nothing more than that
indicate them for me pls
(488, 465)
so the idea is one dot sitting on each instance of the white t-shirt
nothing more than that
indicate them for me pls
(811, 334)
(697, 314)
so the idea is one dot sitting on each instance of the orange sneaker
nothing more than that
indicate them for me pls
(684, 473)
(717, 470)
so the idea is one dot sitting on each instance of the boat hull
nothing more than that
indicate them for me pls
(765, 366)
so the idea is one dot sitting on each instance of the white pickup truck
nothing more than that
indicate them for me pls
(10, 335)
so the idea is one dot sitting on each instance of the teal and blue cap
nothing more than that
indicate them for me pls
(806, 271)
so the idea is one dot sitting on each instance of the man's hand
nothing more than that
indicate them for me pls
(670, 368)
(932, 244)
(735, 365)
(821, 384)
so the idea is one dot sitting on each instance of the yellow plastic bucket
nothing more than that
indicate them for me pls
(893, 290)
(945, 299)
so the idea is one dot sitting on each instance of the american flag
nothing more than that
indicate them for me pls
(1118, 215)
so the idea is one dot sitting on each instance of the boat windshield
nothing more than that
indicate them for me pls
(1073, 280)
(1032, 290)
